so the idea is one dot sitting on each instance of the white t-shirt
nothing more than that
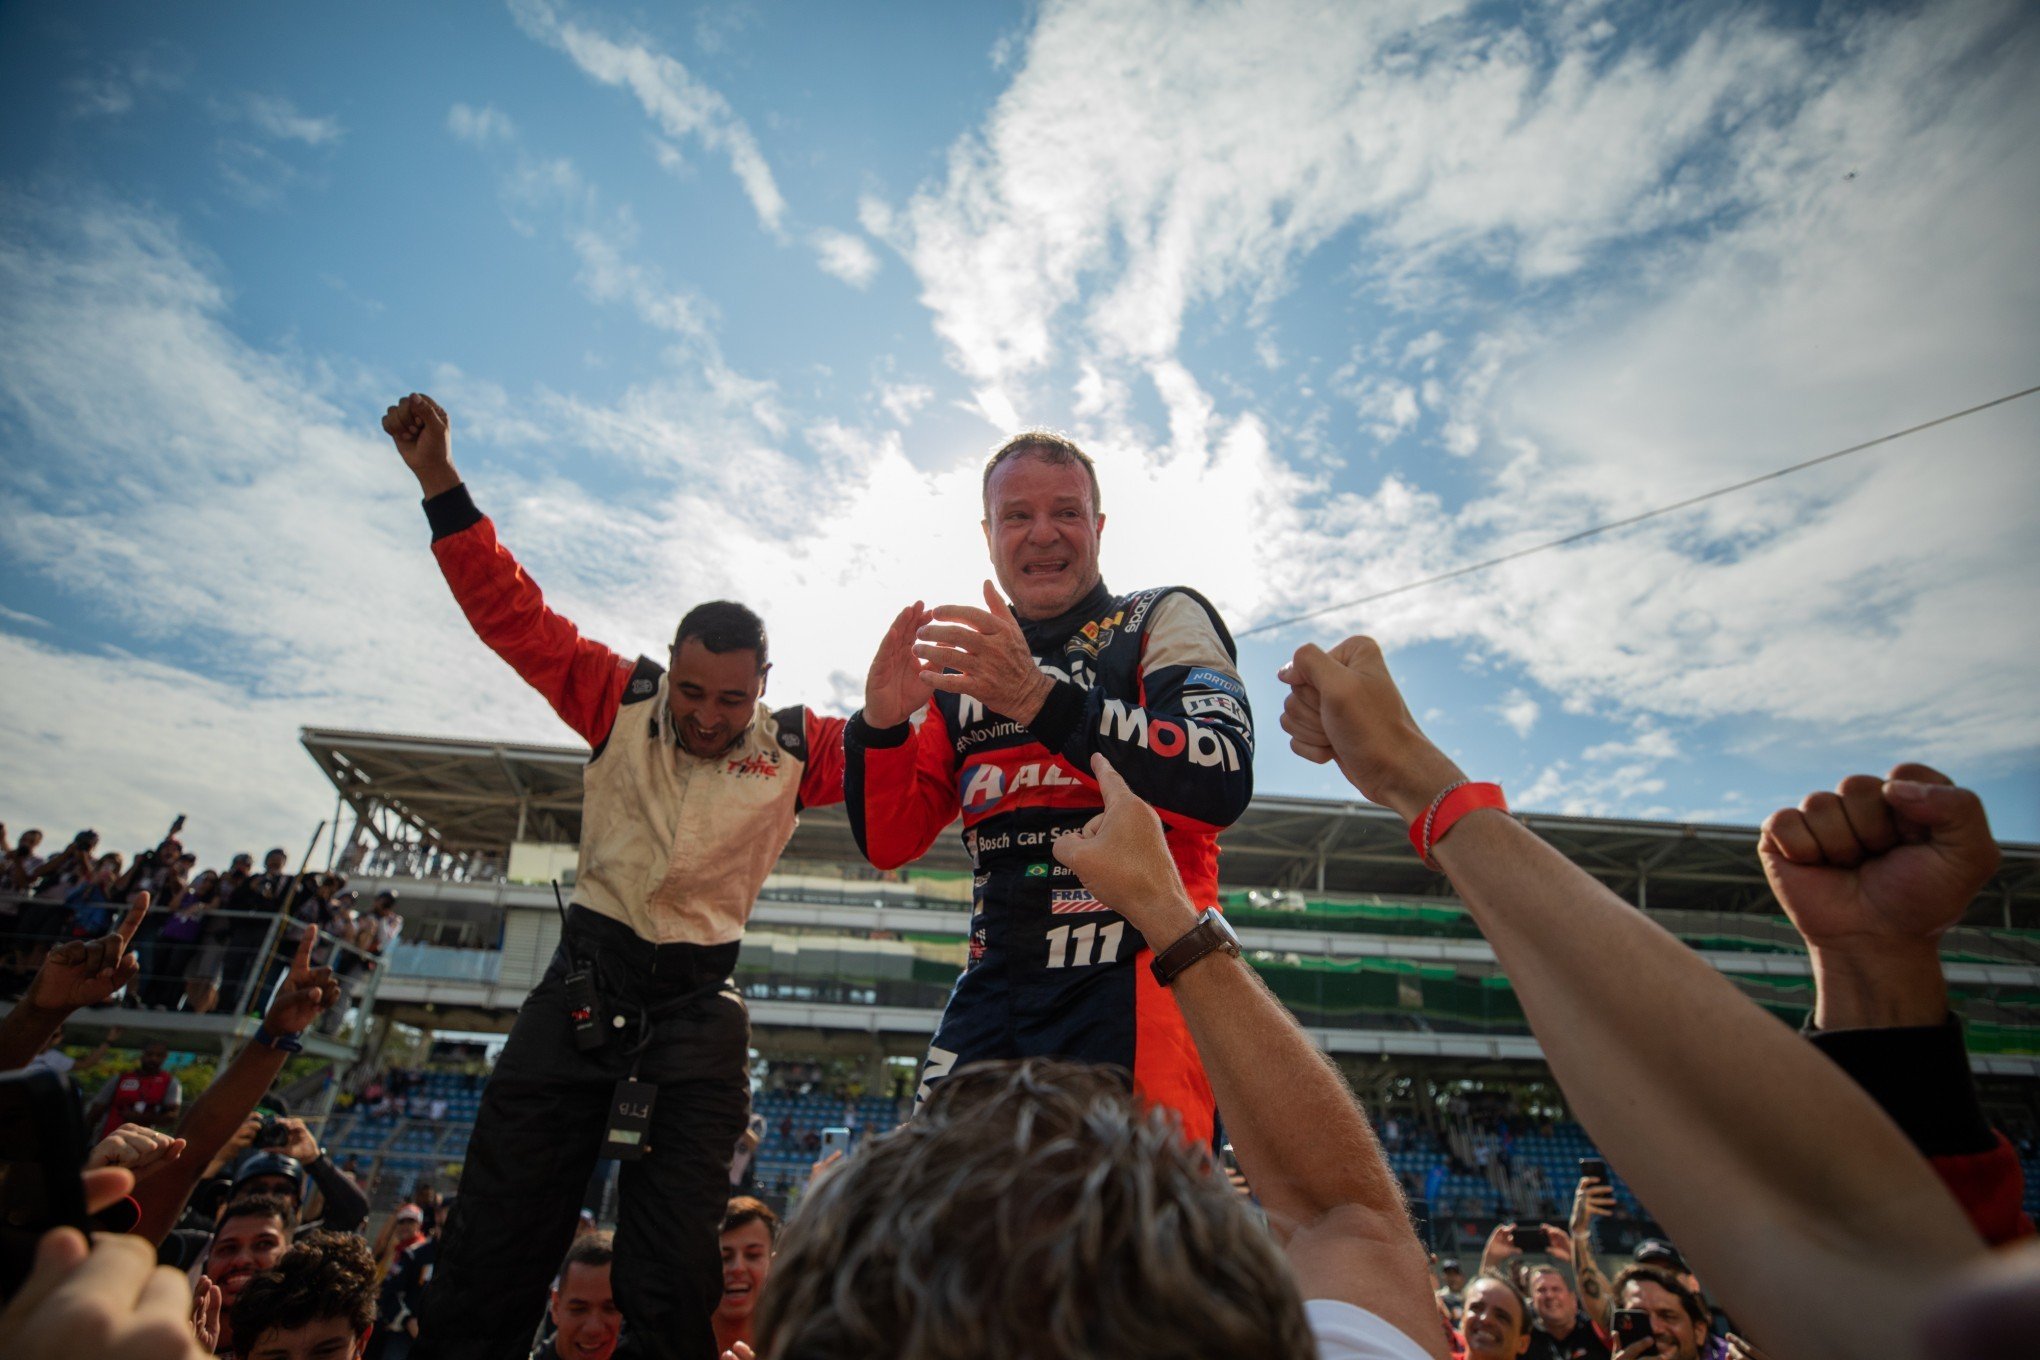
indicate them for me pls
(1345, 1331)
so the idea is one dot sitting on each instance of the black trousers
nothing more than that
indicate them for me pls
(540, 1131)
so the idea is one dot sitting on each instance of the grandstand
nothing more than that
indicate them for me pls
(847, 968)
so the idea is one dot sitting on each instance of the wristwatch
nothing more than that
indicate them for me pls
(282, 1043)
(1212, 934)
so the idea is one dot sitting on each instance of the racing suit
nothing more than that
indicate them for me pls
(674, 848)
(1147, 679)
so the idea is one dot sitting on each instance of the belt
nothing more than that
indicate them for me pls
(668, 969)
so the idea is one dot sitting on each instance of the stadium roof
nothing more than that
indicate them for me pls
(466, 796)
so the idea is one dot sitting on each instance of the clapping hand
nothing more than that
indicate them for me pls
(983, 653)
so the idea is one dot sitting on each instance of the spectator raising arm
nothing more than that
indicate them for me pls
(219, 1113)
(1872, 876)
(1594, 1199)
(76, 973)
(1301, 1139)
(1784, 1184)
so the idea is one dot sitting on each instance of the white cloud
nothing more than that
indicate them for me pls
(277, 117)
(670, 95)
(845, 256)
(480, 125)
(903, 400)
(1519, 711)
(117, 84)
(1703, 258)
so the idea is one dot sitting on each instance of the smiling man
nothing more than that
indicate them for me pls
(1494, 1321)
(996, 712)
(749, 1234)
(585, 1319)
(252, 1235)
(692, 787)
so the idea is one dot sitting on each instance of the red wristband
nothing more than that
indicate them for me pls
(1452, 803)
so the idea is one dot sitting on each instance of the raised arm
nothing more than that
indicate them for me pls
(75, 973)
(1593, 1199)
(583, 680)
(1872, 875)
(1302, 1141)
(219, 1111)
(1724, 1121)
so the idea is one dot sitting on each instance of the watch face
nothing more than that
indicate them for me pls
(1228, 937)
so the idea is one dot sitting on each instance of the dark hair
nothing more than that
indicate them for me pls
(326, 1275)
(723, 626)
(260, 1206)
(1522, 1303)
(595, 1249)
(744, 1209)
(1665, 1280)
(1048, 446)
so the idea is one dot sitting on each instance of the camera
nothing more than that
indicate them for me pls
(272, 1134)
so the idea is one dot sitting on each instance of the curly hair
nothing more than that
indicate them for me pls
(1031, 1210)
(323, 1275)
(1050, 447)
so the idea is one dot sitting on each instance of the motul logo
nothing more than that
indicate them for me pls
(1165, 737)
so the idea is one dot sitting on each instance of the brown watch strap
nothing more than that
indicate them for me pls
(1200, 940)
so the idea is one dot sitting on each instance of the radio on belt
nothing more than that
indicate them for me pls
(630, 1121)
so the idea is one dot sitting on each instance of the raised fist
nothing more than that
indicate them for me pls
(419, 427)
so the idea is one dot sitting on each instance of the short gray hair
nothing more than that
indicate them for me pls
(1032, 1209)
(1049, 447)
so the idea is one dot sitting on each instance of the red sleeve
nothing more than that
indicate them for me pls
(1991, 1190)
(901, 790)
(582, 680)
(821, 783)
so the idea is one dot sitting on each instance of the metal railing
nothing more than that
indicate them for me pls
(229, 965)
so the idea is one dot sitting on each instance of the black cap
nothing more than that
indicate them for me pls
(386, 895)
(270, 1164)
(1657, 1251)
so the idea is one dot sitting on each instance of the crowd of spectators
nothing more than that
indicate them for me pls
(201, 944)
(1838, 1192)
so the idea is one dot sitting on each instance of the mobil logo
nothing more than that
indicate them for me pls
(986, 785)
(1167, 737)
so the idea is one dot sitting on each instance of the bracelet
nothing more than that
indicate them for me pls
(282, 1043)
(1454, 801)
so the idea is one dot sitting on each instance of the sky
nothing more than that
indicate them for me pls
(733, 301)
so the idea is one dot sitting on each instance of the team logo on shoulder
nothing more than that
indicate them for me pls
(1197, 705)
(1206, 678)
(643, 686)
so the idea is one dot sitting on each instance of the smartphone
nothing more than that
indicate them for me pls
(1594, 1169)
(1631, 1326)
(836, 1140)
(42, 1152)
(1526, 1237)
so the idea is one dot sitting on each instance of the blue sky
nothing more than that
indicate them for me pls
(733, 300)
